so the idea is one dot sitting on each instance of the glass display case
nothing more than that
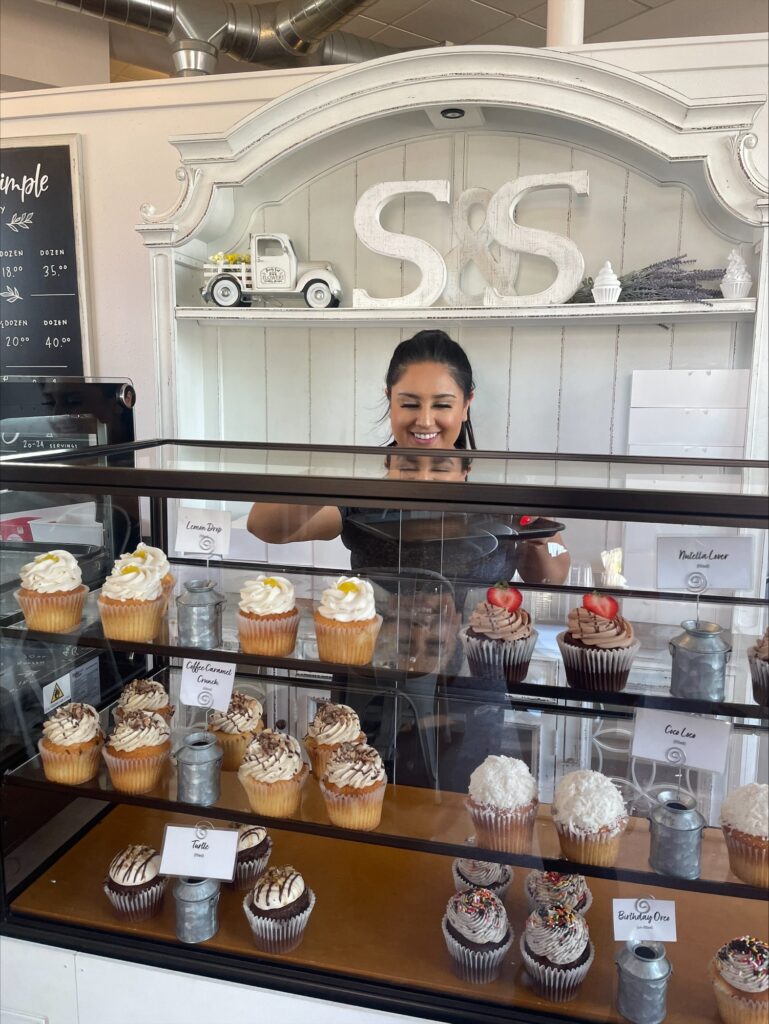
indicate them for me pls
(463, 606)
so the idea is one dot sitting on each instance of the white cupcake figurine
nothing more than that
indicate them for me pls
(607, 287)
(736, 282)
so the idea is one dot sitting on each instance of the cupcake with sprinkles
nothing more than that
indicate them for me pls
(551, 888)
(481, 874)
(477, 934)
(557, 952)
(740, 976)
(278, 908)
(133, 884)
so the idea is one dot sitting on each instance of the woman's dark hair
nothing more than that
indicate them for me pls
(436, 347)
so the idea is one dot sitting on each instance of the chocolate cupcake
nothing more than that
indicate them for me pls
(254, 848)
(133, 885)
(278, 909)
(481, 874)
(598, 646)
(478, 935)
(758, 659)
(557, 952)
(499, 640)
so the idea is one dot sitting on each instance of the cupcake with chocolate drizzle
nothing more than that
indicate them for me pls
(273, 774)
(353, 786)
(236, 727)
(499, 639)
(332, 725)
(254, 848)
(144, 695)
(137, 751)
(71, 744)
(598, 645)
(278, 909)
(740, 976)
(133, 884)
(477, 934)
(557, 951)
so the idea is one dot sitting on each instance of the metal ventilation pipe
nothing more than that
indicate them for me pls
(200, 30)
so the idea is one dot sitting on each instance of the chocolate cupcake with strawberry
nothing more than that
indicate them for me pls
(499, 639)
(598, 645)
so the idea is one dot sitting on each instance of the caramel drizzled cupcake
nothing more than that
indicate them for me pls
(590, 817)
(278, 909)
(740, 976)
(134, 885)
(236, 727)
(332, 725)
(477, 935)
(503, 803)
(353, 786)
(151, 558)
(137, 751)
(71, 744)
(598, 646)
(267, 618)
(52, 592)
(745, 824)
(132, 604)
(273, 773)
(144, 695)
(557, 952)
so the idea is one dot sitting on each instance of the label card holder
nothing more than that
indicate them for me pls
(199, 852)
(644, 918)
(203, 530)
(691, 741)
(207, 684)
(698, 563)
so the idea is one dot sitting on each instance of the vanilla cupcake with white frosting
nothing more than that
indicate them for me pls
(590, 817)
(52, 593)
(332, 725)
(137, 751)
(132, 603)
(346, 622)
(267, 617)
(273, 773)
(278, 909)
(481, 874)
(150, 558)
(134, 885)
(353, 786)
(71, 744)
(477, 935)
(502, 801)
(144, 695)
(236, 727)
(745, 824)
(557, 951)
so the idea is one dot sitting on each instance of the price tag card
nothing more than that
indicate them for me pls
(203, 530)
(199, 852)
(692, 741)
(699, 563)
(644, 918)
(207, 684)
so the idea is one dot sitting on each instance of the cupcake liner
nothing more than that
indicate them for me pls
(505, 831)
(233, 746)
(360, 811)
(273, 935)
(759, 674)
(749, 861)
(269, 635)
(475, 966)
(605, 294)
(736, 1009)
(135, 774)
(137, 906)
(52, 613)
(595, 669)
(69, 767)
(557, 984)
(533, 904)
(274, 799)
(137, 621)
(247, 872)
(499, 889)
(320, 753)
(346, 643)
(498, 659)
(168, 583)
(601, 849)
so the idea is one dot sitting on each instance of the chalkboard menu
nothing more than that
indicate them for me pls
(40, 322)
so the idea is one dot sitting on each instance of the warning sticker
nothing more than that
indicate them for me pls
(56, 693)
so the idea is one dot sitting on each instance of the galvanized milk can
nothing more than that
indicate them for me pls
(198, 767)
(199, 614)
(197, 908)
(676, 835)
(699, 655)
(644, 972)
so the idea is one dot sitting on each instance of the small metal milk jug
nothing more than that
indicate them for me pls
(198, 766)
(197, 908)
(676, 835)
(700, 655)
(199, 614)
(644, 972)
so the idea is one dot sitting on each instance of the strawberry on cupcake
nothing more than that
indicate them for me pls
(598, 645)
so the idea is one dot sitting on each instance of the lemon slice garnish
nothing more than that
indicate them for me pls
(348, 587)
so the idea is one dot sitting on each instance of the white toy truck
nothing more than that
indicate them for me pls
(270, 270)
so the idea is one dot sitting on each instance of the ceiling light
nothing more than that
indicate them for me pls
(452, 113)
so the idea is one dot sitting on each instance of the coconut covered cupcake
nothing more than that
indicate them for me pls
(745, 824)
(740, 976)
(273, 773)
(150, 558)
(137, 751)
(598, 646)
(477, 934)
(278, 909)
(481, 874)
(144, 695)
(132, 604)
(557, 952)
(499, 639)
(346, 622)
(268, 619)
(758, 659)
(503, 803)
(70, 747)
(134, 885)
(52, 593)
(590, 817)
(236, 727)
(353, 786)
(333, 725)
(551, 888)
(254, 848)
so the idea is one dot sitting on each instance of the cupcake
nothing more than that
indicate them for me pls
(278, 909)
(551, 888)
(557, 952)
(236, 727)
(70, 747)
(137, 751)
(254, 848)
(346, 622)
(144, 695)
(590, 817)
(598, 645)
(740, 976)
(481, 874)
(758, 659)
(478, 935)
(151, 558)
(273, 773)
(503, 802)
(131, 604)
(353, 786)
(333, 725)
(268, 618)
(52, 592)
(745, 823)
(133, 885)
(499, 639)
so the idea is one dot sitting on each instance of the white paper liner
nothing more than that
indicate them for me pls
(135, 774)
(472, 965)
(247, 872)
(504, 831)
(273, 935)
(138, 622)
(52, 613)
(748, 861)
(759, 674)
(498, 888)
(360, 811)
(273, 637)
(137, 906)
(497, 659)
(71, 769)
(601, 849)
(557, 984)
(533, 904)
(589, 668)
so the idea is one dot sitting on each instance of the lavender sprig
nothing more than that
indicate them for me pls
(664, 280)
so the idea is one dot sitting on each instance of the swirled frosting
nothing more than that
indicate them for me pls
(72, 723)
(136, 865)
(547, 888)
(761, 650)
(272, 757)
(499, 623)
(250, 836)
(596, 631)
(478, 916)
(483, 874)
(351, 599)
(150, 558)
(143, 695)
(356, 765)
(744, 964)
(267, 595)
(503, 782)
(244, 714)
(334, 723)
(747, 809)
(54, 572)
(138, 729)
(133, 583)
(278, 887)
(587, 802)
(556, 933)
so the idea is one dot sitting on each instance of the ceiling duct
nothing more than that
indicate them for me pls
(282, 33)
